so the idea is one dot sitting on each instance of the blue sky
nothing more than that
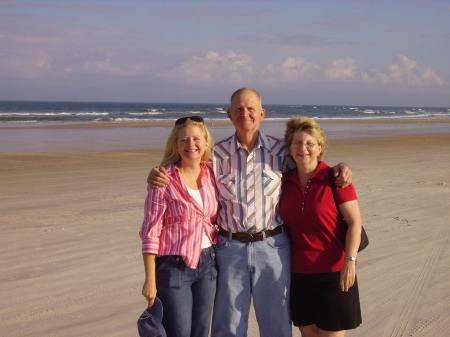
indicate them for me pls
(358, 52)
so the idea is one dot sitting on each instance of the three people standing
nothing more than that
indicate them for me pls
(253, 250)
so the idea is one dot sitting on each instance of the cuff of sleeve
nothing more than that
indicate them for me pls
(150, 246)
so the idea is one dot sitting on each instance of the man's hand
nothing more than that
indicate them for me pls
(158, 178)
(343, 175)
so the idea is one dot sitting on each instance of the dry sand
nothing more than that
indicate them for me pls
(70, 256)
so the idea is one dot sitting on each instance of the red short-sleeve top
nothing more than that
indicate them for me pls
(311, 218)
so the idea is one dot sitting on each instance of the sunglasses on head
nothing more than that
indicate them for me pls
(183, 120)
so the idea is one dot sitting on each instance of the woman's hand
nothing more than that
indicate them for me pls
(149, 292)
(348, 275)
(351, 213)
(149, 287)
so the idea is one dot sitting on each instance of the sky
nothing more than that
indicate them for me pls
(324, 52)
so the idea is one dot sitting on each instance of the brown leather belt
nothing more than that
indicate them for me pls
(246, 237)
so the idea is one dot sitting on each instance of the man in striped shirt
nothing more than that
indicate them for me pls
(253, 250)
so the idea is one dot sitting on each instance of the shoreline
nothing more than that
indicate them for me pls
(131, 136)
(101, 125)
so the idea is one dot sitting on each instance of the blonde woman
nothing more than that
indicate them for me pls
(324, 291)
(178, 232)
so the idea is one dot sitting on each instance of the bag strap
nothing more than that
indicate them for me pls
(333, 188)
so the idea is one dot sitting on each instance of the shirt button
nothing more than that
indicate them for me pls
(177, 259)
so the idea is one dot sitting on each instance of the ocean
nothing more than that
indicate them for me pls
(14, 113)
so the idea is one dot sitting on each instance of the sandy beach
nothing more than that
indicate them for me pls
(70, 256)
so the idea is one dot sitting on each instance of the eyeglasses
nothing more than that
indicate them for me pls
(308, 145)
(182, 120)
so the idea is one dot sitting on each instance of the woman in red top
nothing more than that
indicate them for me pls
(324, 290)
(178, 232)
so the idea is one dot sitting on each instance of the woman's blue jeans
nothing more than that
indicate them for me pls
(187, 294)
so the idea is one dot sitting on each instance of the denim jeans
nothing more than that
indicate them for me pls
(187, 294)
(258, 270)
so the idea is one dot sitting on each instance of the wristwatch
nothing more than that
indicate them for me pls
(351, 258)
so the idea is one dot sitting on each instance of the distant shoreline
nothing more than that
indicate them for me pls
(99, 125)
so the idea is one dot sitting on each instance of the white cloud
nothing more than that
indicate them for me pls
(404, 71)
(292, 72)
(341, 70)
(296, 66)
(212, 68)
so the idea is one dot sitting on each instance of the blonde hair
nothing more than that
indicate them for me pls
(305, 124)
(171, 155)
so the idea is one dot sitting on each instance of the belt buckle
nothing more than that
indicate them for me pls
(244, 237)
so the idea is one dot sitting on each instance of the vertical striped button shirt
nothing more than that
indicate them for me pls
(249, 183)
(173, 221)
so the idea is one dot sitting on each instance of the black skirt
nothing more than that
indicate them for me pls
(318, 299)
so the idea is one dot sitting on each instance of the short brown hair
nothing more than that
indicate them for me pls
(305, 124)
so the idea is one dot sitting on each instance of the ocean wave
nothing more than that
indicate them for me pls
(143, 113)
(16, 121)
(121, 119)
(371, 112)
(91, 114)
(26, 114)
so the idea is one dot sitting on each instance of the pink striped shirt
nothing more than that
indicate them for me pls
(174, 221)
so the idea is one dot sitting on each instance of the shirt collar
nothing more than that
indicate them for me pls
(171, 168)
(262, 142)
(320, 174)
(322, 171)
